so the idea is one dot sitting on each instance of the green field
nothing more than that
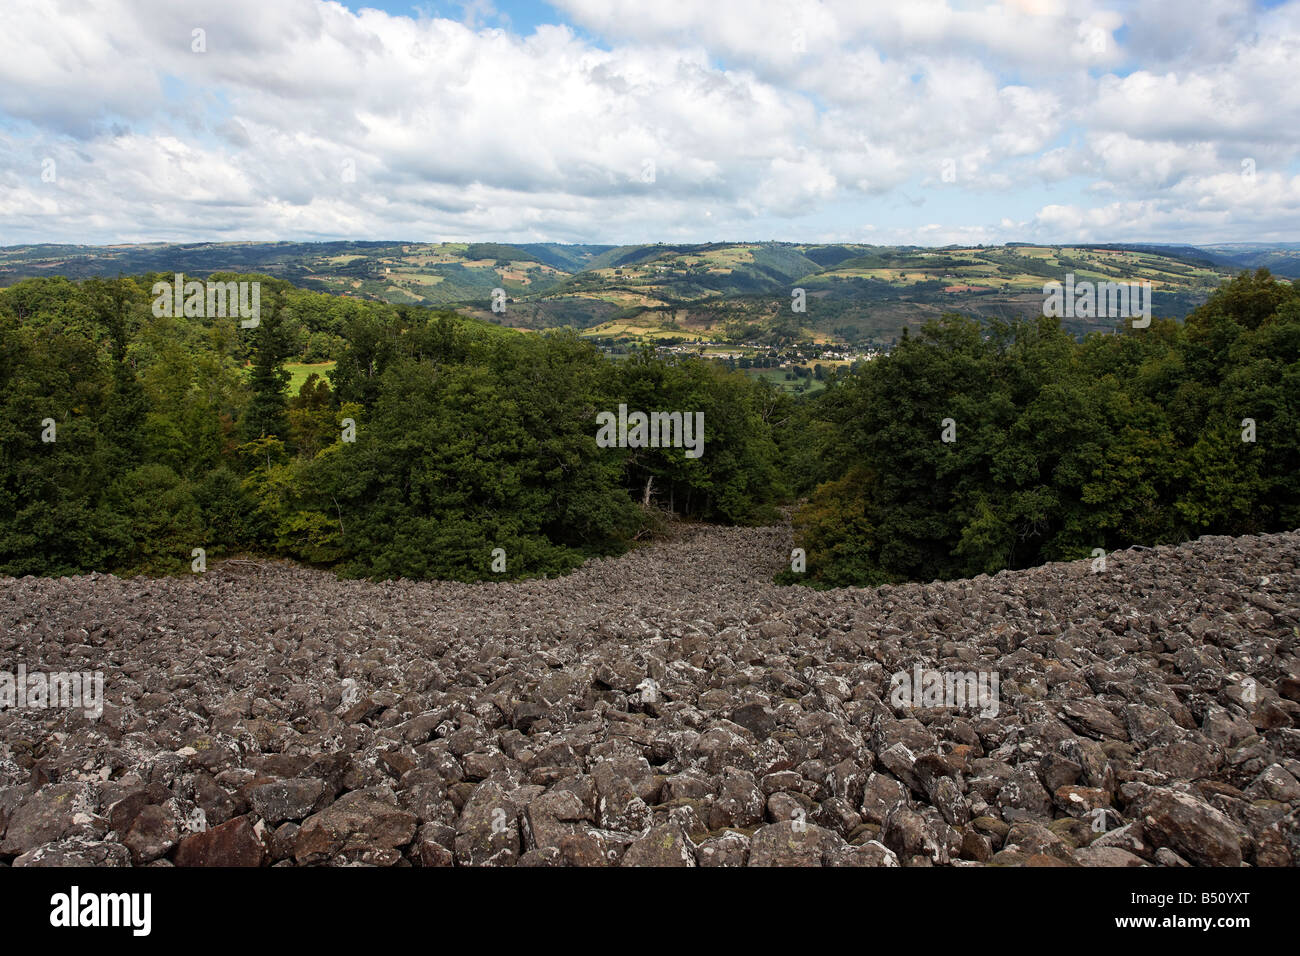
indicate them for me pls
(299, 371)
(777, 377)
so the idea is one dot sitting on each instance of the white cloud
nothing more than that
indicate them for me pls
(305, 120)
(1263, 206)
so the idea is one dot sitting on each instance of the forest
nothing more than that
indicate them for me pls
(1057, 447)
(128, 440)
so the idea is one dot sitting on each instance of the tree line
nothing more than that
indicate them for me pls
(435, 441)
(972, 447)
(127, 440)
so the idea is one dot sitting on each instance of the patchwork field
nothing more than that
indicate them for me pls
(857, 294)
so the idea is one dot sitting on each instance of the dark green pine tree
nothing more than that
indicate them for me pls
(266, 415)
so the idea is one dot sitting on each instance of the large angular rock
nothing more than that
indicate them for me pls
(153, 834)
(549, 818)
(1107, 856)
(740, 803)
(57, 811)
(1023, 792)
(233, 843)
(288, 799)
(488, 830)
(1190, 827)
(909, 835)
(728, 849)
(618, 804)
(358, 825)
(664, 845)
(755, 718)
(1275, 783)
(880, 796)
(794, 844)
(870, 853)
(720, 748)
(76, 853)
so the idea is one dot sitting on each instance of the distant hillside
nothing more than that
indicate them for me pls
(726, 291)
(1282, 259)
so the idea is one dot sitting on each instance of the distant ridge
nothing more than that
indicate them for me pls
(856, 293)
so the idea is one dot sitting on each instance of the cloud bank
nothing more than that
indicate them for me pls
(927, 122)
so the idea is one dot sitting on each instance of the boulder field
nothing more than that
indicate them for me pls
(669, 707)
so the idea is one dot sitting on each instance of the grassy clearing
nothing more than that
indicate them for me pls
(299, 371)
(777, 377)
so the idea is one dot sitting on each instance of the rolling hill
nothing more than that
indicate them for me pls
(719, 292)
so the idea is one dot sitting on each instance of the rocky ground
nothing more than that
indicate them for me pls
(669, 707)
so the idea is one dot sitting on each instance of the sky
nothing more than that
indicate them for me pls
(927, 122)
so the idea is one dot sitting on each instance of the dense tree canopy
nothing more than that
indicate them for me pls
(1151, 435)
(444, 447)
(128, 439)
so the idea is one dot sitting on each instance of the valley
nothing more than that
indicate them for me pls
(737, 294)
